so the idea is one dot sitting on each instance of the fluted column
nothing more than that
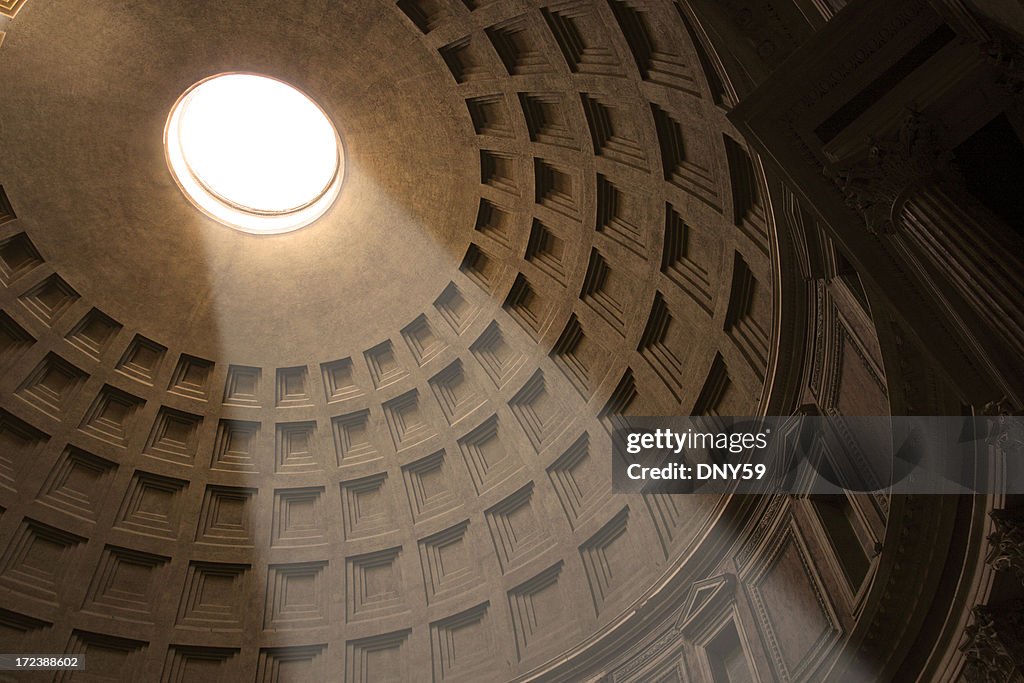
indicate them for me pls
(911, 195)
(960, 239)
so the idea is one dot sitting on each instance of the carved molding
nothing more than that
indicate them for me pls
(788, 538)
(10, 8)
(670, 638)
(774, 512)
(704, 601)
(822, 320)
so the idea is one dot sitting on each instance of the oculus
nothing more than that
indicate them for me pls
(254, 153)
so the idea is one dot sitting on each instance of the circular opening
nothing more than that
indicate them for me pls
(254, 153)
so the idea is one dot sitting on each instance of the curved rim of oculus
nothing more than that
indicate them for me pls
(254, 153)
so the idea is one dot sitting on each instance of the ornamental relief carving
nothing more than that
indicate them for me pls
(1004, 434)
(1006, 57)
(1007, 542)
(879, 185)
(992, 644)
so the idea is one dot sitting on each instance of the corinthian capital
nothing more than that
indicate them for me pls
(1007, 542)
(1006, 56)
(989, 660)
(878, 185)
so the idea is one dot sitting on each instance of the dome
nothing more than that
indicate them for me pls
(317, 320)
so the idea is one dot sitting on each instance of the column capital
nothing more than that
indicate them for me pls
(1007, 542)
(1006, 56)
(879, 184)
(991, 644)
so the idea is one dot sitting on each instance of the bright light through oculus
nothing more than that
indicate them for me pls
(254, 153)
